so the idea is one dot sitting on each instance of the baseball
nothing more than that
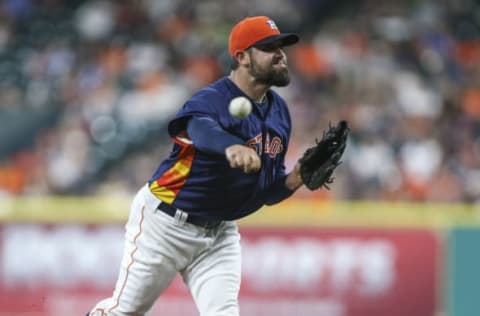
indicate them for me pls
(240, 107)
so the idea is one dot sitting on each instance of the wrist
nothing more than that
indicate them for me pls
(294, 179)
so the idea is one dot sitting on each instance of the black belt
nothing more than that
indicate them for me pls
(192, 219)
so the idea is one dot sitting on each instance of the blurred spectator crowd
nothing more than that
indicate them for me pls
(86, 88)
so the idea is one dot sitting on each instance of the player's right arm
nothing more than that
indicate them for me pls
(207, 135)
(241, 156)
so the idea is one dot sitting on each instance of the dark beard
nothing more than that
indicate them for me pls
(270, 77)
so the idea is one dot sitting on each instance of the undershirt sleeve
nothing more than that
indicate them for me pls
(278, 192)
(207, 135)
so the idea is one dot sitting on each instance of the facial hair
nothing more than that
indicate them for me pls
(268, 75)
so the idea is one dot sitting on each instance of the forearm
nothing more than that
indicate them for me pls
(294, 179)
(285, 186)
(208, 136)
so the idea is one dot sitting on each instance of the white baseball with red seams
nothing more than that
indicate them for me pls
(240, 107)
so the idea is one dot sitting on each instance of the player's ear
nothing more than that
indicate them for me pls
(242, 57)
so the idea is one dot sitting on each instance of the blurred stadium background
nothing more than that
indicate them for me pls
(86, 88)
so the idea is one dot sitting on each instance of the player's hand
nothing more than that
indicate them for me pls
(240, 156)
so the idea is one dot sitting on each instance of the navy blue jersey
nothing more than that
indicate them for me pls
(204, 184)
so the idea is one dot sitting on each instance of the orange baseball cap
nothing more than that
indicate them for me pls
(257, 30)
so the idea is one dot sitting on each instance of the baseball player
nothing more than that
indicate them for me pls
(220, 169)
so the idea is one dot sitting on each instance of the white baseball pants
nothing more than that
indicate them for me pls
(157, 246)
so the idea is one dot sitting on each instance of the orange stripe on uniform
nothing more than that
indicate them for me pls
(171, 182)
(101, 310)
(131, 261)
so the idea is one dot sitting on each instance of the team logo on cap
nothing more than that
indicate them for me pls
(272, 24)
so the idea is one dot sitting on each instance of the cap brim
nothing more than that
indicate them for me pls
(286, 39)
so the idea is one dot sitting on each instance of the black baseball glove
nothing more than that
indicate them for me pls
(319, 162)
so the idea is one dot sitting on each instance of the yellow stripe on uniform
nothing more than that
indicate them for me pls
(181, 168)
(163, 193)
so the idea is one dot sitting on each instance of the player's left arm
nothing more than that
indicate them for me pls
(284, 186)
(294, 180)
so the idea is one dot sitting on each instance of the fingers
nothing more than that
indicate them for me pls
(247, 160)
(243, 157)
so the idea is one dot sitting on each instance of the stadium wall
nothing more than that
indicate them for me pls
(305, 257)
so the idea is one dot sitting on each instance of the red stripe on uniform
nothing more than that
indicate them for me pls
(172, 178)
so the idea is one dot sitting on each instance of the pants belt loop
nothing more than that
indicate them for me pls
(180, 217)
